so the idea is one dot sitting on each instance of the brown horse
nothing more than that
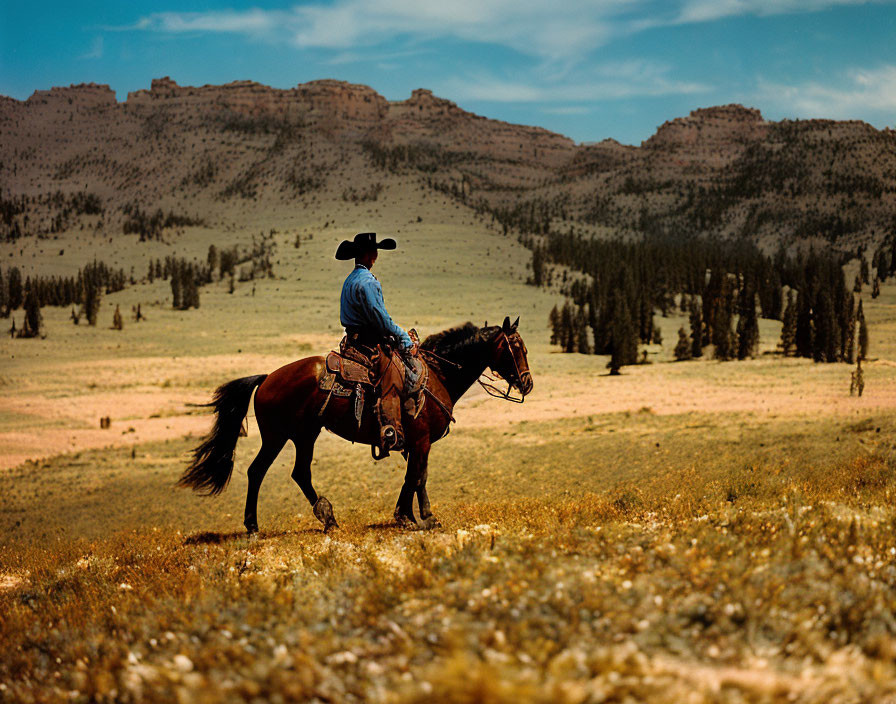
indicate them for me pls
(289, 401)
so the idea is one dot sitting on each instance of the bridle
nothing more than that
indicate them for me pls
(489, 387)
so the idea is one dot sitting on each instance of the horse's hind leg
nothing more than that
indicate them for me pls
(270, 448)
(301, 474)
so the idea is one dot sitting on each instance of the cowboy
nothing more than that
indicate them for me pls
(368, 327)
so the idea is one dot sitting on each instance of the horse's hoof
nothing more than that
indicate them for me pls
(323, 511)
(430, 523)
(406, 522)
(251, 529)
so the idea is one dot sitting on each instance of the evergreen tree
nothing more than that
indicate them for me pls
(567, 329)
(213, 259)
(623, 335)
(696, 320)
(117, 320)
(863, 333)
(33, 321)
(582, 344)
(723, 337)
(15, 290)
(4, 296)
(875, 288)
(864, 271)
(151, 275)
(805, 333)
(554, 321)
(683, 348)
(176, 292)
(747, 329)
(90, 298)
(537, 266)
(827, 331)
(788, 329)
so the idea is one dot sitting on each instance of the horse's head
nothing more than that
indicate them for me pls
(509, 359)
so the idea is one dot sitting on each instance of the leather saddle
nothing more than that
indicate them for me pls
(349, 370)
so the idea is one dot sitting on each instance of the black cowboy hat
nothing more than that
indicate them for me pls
(363, 242)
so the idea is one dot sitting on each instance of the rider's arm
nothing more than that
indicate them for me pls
(376, 309)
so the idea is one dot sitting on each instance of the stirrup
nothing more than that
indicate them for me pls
(383, 454)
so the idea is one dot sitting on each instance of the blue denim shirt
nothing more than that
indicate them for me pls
(362, 306)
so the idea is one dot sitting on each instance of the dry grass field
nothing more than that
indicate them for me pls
(685, 532)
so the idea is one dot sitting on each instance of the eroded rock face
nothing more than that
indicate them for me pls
(709, 126)
(244, 144)
(82, 95)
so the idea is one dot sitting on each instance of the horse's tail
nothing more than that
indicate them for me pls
(212, 462)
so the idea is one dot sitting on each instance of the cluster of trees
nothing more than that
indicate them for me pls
(150, 225)
(186, 278)
(15, 219)
(84, 290)
(723, 286)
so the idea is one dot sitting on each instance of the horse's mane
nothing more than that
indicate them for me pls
(456, 338)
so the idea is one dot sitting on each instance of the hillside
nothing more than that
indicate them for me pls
(222, 155)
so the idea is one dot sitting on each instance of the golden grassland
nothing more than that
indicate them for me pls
(761, 581)
(696, 531)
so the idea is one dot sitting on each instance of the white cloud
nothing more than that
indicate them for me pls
(609, 81)
(864, 94)
(533, 27)
(542, 28)
(709, 10)
(96, 49)
(254, 21)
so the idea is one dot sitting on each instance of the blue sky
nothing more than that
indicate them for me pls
(590, 69)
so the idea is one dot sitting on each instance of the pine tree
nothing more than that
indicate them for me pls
(747, 329)
(696, 320)
(213, 259)
(4, 296)
(788, 329)
(537, 266)
(864, 271)
(151, 275)
(583, 346)
(15, 291)
(723, 337)
(623, 335)
(33, 321)
(554, 321)
(117, 320)
(827, 330)
(176, 292)
(875, 288)
(567, 329)
(683, 348)
(90, 298)
(863, 333)
(805, 328)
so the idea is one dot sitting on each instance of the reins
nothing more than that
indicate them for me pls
(439, 358)
(493, 390)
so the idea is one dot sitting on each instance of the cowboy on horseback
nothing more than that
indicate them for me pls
(369, 329)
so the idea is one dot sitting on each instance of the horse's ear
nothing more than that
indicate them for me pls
(516, 323)
(506, 324)
(485, 325)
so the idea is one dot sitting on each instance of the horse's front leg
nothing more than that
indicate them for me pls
(415, 484)
(427, 520)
